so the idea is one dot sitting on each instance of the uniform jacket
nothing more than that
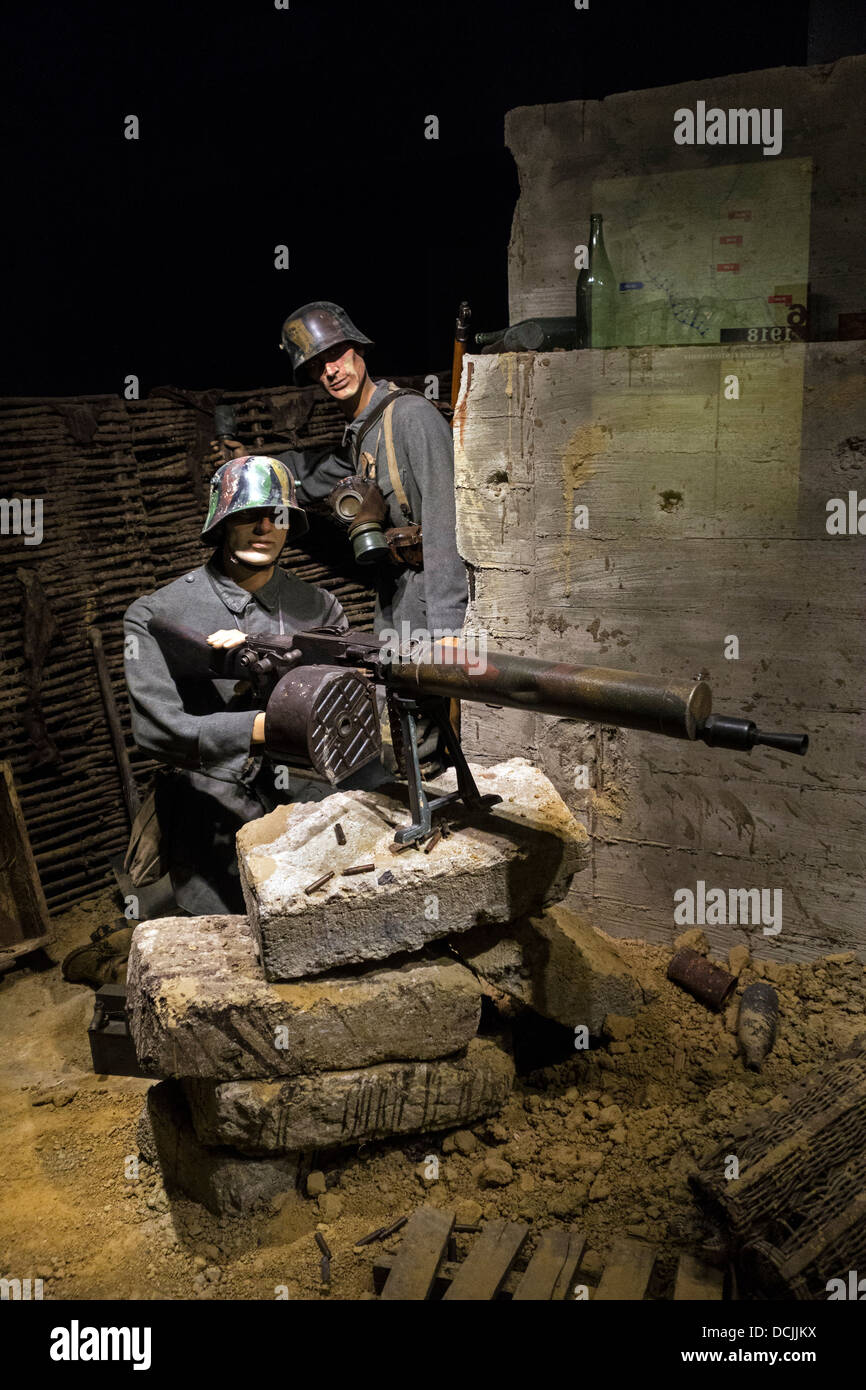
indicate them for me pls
(436, 596)
(202, 728)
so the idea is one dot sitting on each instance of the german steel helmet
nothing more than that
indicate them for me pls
(253, 481)
(315, 327)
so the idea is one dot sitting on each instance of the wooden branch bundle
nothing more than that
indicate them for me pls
(822, 1243)
(798, 1204)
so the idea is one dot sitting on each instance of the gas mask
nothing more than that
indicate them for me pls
(357, 503)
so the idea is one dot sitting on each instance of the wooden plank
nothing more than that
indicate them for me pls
(421, 1249)
(483, 1272)
(627, 1272)
(383, 1265)
(23, 911)
(10, 954)
(551, 1269)
(696, 1281)
(562, 1289)
(544, 1268)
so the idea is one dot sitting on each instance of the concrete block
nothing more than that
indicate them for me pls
(221, 1180)
(495, 867)
(558, 964)
(346, 1107)
(198, 1006)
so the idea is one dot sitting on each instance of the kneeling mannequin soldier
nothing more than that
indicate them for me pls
(211, 733)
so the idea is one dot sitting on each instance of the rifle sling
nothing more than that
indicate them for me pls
(385, 408)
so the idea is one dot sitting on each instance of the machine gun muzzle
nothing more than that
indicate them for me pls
(724, 731)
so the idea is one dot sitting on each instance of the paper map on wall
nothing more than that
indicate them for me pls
(708, 249)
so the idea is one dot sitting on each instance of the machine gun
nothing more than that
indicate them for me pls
(322, 712)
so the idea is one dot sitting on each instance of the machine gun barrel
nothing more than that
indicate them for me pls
(571, 692)
(676, 709)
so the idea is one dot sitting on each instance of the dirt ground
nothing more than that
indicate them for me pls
(602, 1142)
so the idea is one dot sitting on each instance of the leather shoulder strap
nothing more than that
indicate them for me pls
(393, 470)
(375, 415)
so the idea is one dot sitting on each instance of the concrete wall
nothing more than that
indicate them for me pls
(569, 154)
(706, 518)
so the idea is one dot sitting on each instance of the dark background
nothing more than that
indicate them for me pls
(304, 127)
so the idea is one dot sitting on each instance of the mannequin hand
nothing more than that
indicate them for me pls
(221, 450)
(226, 638)
(258, 735)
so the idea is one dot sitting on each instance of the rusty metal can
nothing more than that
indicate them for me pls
(706, 982)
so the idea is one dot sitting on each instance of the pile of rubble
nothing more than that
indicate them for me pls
(346, 1006)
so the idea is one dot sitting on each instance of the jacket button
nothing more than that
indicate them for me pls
(189, 578)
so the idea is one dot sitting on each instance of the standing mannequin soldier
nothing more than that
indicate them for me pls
(402, 442)
(405, 445)
(212, 733)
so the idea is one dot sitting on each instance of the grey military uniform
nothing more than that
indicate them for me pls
(202, 728)
(436, 596)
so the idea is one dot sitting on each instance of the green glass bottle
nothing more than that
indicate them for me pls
(597, 292)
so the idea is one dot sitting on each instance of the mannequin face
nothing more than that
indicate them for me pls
(341, 370)
(252, 538)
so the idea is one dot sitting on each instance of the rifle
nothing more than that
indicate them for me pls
(461, 338)
(321, 710)
(225, 427)
(530, 335)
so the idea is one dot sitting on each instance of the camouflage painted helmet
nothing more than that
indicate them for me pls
(315, 327)
(253, 481)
